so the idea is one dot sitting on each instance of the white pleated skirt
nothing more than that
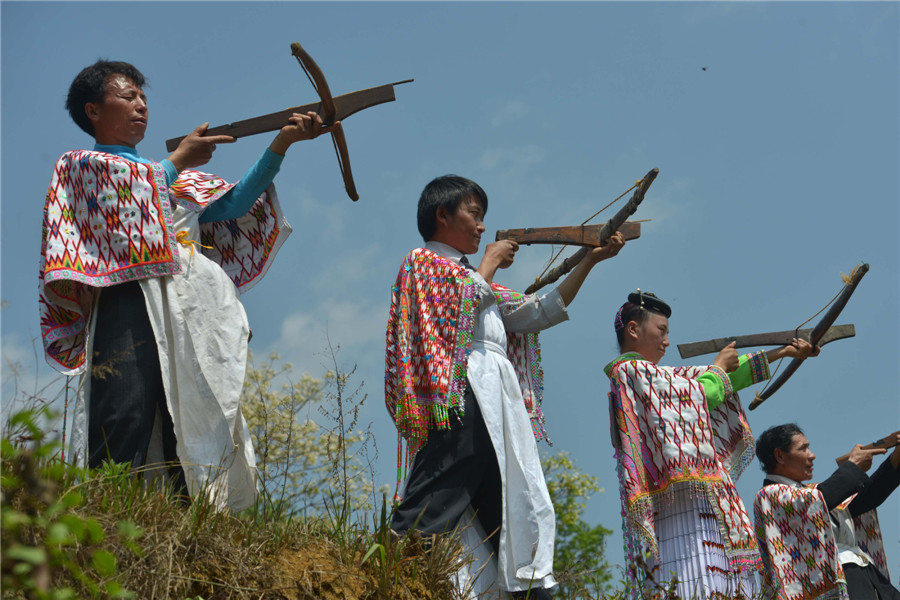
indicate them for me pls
(691, 549)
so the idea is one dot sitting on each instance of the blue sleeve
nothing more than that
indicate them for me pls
(238, 200)
(171, 171)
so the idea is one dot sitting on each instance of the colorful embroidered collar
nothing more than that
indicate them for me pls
(664, 435)
(429, 336)
(108, 220)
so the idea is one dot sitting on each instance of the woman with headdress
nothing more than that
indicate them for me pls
(681, 439)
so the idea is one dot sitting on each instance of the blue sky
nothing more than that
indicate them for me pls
(778, 172)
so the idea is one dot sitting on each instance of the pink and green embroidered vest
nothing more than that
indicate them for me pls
(429, 338)
(665, 435)
(108, 220)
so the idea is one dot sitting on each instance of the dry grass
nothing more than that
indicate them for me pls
(196, 552)
(179, 551)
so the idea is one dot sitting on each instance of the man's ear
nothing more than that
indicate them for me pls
(92, 110)
(779, 456)
(441, 215)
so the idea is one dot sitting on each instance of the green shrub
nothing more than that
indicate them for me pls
(49, 551)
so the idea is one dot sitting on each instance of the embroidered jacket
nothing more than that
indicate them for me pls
(665, 434)
(108, 220)
(798, 546)
(429, 338)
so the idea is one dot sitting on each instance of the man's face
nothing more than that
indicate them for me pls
(651, 337)
(797, 461)
(463, 228)
(121, 119)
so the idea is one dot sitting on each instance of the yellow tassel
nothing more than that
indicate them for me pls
(182, 238)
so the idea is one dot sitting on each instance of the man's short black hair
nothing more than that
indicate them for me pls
(447, 191)
(778, 437)
(90, 86)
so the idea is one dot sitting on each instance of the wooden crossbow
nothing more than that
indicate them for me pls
(332, 109)
(588, 236)
(823, 333)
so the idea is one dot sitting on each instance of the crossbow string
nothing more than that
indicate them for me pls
(585, 222)
(836, 305)
(640, 186)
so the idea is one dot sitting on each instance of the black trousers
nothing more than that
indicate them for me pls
(868, 583)
(126, 385)
(456, 467)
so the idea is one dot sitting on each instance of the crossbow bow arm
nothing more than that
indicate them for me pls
(329, 112)
(608, 230)
(817, 334)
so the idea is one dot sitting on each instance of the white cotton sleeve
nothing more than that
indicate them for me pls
(537, 313)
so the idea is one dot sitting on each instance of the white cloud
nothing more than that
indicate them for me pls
(510, 112)
(356, 327)
(355, 268)
(327, 215)
(511, 158)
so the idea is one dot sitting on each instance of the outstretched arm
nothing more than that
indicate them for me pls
(728, 358)
(539, 313)
(740, 370)
(196, 149)
(883, 482)
(238, 200)
(302, 127)
(850, 478)
(568, 289)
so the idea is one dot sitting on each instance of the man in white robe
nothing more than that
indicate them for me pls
(141, 267)
(463, 384)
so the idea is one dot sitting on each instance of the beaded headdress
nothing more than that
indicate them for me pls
(646, 300)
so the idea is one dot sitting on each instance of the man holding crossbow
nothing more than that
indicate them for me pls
(141, 268)
(823, 540)
(463, 384)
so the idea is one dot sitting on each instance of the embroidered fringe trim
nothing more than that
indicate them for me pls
(640, 510)
(745, 458)
(827, 591)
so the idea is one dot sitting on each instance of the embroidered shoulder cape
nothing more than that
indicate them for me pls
(664, 434)
(429, 339)
(108, 220)
(798, 546)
